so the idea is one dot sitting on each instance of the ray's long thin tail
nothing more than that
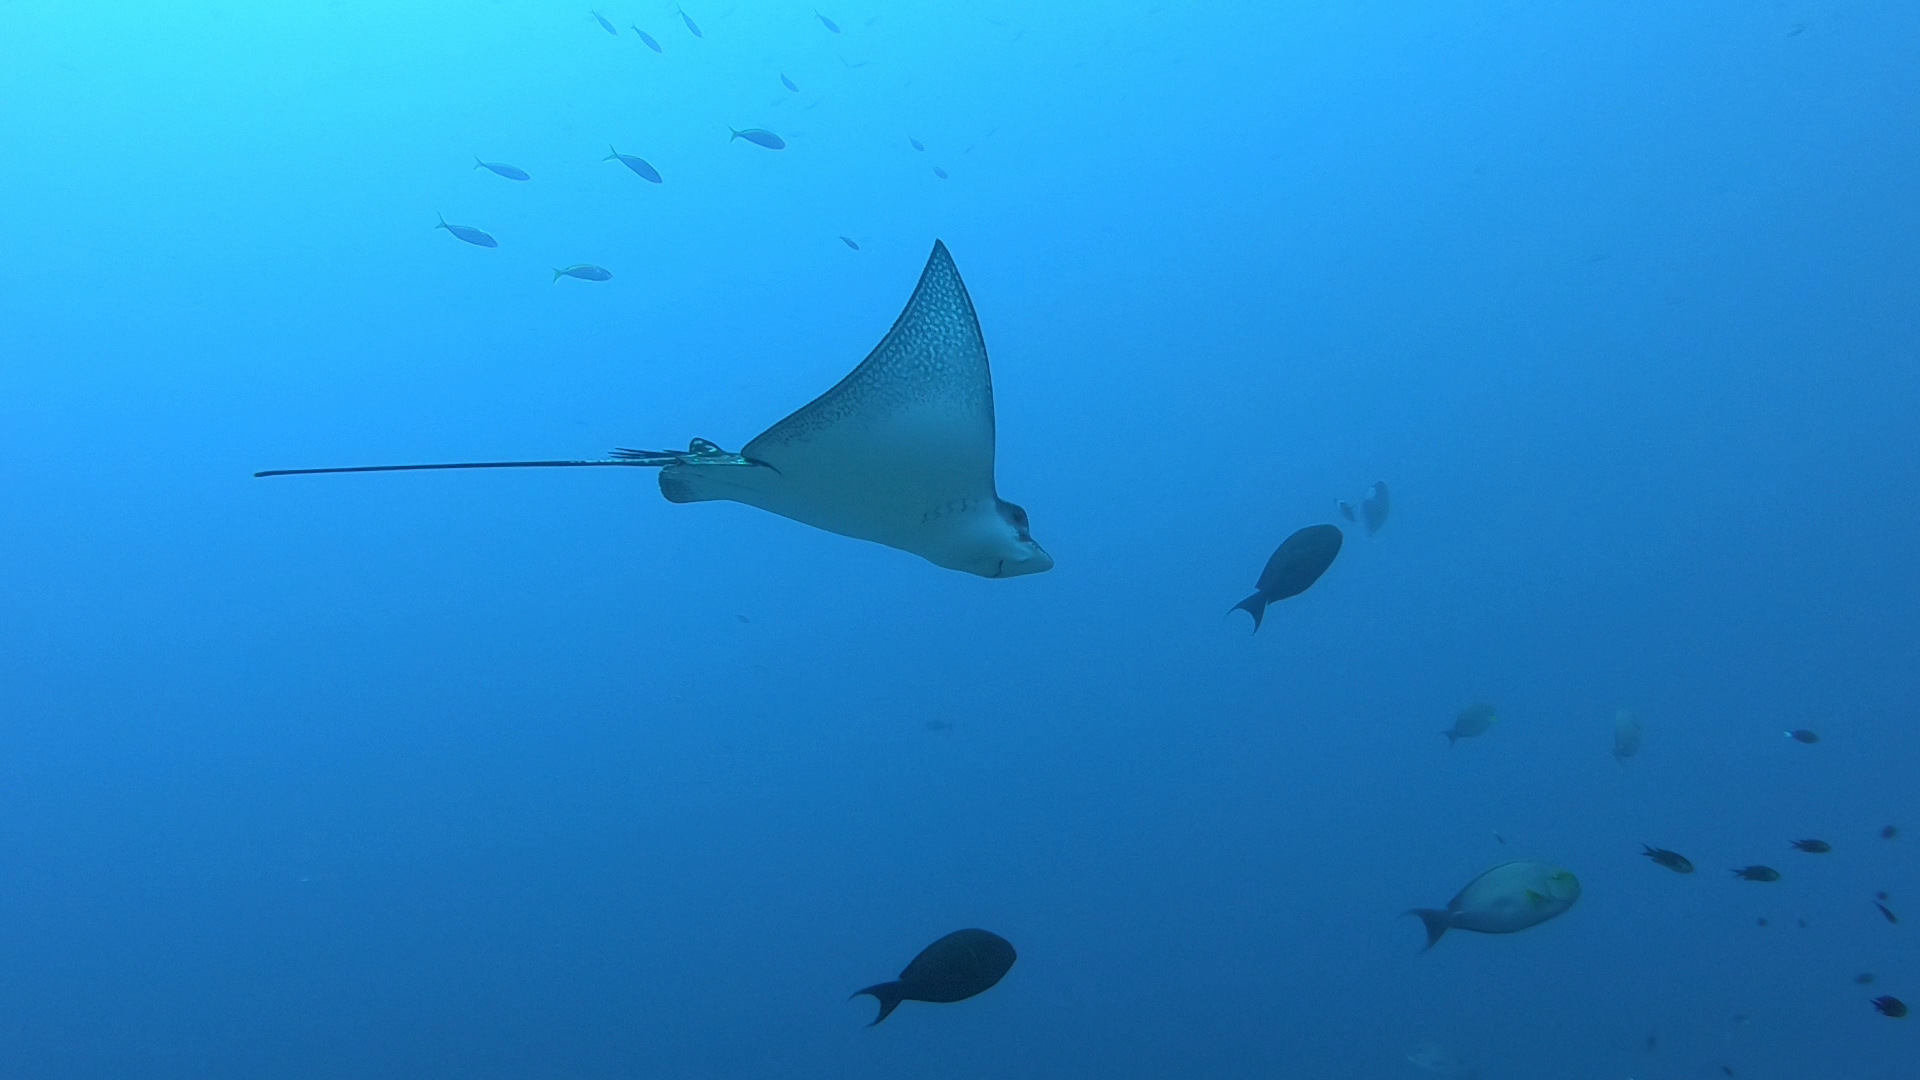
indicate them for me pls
(456, 465)
(888, 994)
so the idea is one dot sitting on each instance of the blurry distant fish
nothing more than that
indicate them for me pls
(1796, 29)
(1890, 1006)
(646, 38)
(583, 271)
(1886, 911)
(849, 241)
(1889, 832)
(639, 166)
(760, 137)
(1374, 507)
(1435, 1060)
(1812, 847)
(468, 233)
(1672, 860)
(1473, 722)
(1761, 921)
(692, 26)
(958, 966)
(915, 143)
(1292, 568)
(500, 169)
(1865, 978)
(604, 24)
(1506, 899)
(939, 725)
(939, 172)
(1346, 509)
(788, 83)
(1757, 873)
(1626, 734)
(844, 62)
(1802, 735)
(826, 22)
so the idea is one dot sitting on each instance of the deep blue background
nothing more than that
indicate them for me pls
(534, 775)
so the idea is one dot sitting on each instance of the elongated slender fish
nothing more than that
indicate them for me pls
(583, 271)
(788, 83)
(639, 165)
(760, 137)
(501, 169)
(468, 233)
(915, 143)
(646, 38)
(826, 22)
(692, 26)
(849, 241)
(604, 24)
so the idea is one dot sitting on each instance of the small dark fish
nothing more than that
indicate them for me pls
(788, 83)
(939, 725)
(826, 22)
(1796, 29)
(1653, 1043)
(1803, 735)
(691, 25)
(915, 143)
(604, 24)
(1471, 723)
(760, 137)
(1500, 838)
(1890, 1006)
(1889, 832)
(1373, 508)
(583, 271)
(1801, 923)
(639, 166)
(1728, 1069)
(468, 233)
(646, 38)
(500, 169)
(1346, 509)
(849, 241)
(1672, 860)
(1881, 895)
(1888, 912)
(1294, 566)
(1812, 847)
(958, 966)
(1761, 921)
(741, 617)
(939, 172)
(1757, 873)
(1865, 978)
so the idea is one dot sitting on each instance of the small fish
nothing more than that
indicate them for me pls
(1889, 832)
(1881, 895)
(1374, 507)
(939, 725)
(760, 137)
(1473, 722)
(939, 172)
(468, 233)
(1626, 735)
(1727, 1069)
(1890, 1006)
(1761, 921)
(1801, 923)
(849, 241)
(1346, 509)
(1672, 860)
(501, 169)
(1803, 735)
(1865, 978)
(1796, 29)
(1888, 912)
(646, 38)
(915, 143)
(639, 166)
(1652, 1043)
(1812, 847)
(604, 24)
(692, 26)
(741, 617)
(583, 271)
(788, 83)
(1757, 873)
(1500, 838)
(826, 22)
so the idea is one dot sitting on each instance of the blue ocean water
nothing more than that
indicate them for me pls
(531, 774)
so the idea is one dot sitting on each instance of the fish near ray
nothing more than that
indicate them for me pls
(900, 452)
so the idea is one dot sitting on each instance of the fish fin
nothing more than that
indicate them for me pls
(1254, 606)
(1451, 738)
(477, 163)
(558, 273)
(612, 154)
(443, 220)
(1436, 921)
(888, 994)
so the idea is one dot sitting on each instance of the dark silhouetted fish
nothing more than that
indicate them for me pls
(939, 172)
(604, 24)
(939, 725)
(468, 233)
(1346, 509)
(501, 169)
(1802, 735)
(1373, 508)
(915, 143)
(1295, 565)
(1472, 722)
(826, 22)
(849, 241)
(1889, 832)
(1865, 978)
(1672, 860)
(639, 166)
(692, 27)
(1890, 1006)
(760, 137)
(646, 38)
(1886, 911)
(1757, 873)
(788, 83)
(583, 271)
(1812, 847)
(958, 966)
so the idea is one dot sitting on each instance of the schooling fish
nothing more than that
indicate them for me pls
(1293, 568)
(1506, 899)
(826, 22)
(646, 38)
(1672, 860)
(1802, 735)
(501, 169)
(760, 137)
(1757, 873)
(849, 241)
(604, 24)
(583, 271)
(788, 83)
(1886, 911)
(1472, 722)
(1812, 847)
(1890, 1006)
(915, 143)
(692, 26)
(939, 172)
(639, 166)
(468, 233)
(958, 966)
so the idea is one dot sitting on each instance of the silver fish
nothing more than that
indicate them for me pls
(583, 271)
(470, 234)
(501, 169)
(760, 137)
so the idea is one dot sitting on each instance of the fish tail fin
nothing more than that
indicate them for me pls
(1255, 606)
(1436, 922)
(611, 153)
(736, 133)
(443, 220)
(477, 163)
(888, 994)
(1451, 738)
(558, 273)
